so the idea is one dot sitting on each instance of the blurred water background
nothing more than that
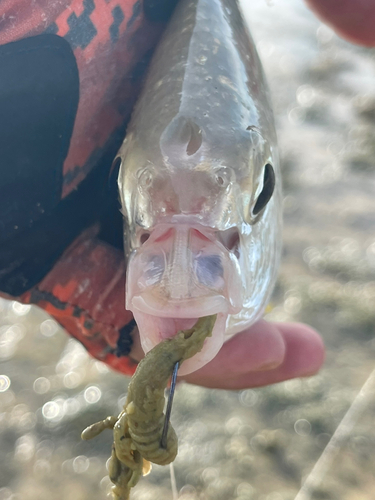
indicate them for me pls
(253, 444)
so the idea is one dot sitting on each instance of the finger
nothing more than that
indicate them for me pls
(242, 362)
(268, 350)
(353, 20)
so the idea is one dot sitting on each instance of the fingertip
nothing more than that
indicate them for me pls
(304, 357)
(351, 20)
(305, 349)
(260, 348)
(262, 344)
(264, 354)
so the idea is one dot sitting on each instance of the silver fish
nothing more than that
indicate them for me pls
(199, 182)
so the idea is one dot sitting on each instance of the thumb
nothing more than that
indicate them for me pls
(353, 20)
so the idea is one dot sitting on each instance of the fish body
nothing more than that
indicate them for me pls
(199, 182)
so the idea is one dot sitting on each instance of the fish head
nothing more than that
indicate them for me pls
(190, 208)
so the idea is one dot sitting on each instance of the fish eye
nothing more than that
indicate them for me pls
(268, 187)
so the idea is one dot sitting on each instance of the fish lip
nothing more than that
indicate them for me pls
(190, 308)
(154, 330)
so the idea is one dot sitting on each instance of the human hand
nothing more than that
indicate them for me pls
(265, 353)
(351, 20)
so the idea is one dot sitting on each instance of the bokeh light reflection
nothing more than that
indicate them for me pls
(20, 309)
(25, 448)
(121, 401)
(92, 394)
(188, 492)
(233, 424)
(306, 95)
(41, 385)
(248, 398)
(324, 34)
(42, 468)
(49, 327)
(72, 379)
(81, 464)
(302, 427)
(4, 383)
(52, 411)
(105, 485)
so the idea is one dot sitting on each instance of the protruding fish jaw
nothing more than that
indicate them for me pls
(153, 329)
(180, 274)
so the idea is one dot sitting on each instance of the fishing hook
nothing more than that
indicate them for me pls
(163, 441)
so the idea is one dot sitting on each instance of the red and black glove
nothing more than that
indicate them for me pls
(70, 73)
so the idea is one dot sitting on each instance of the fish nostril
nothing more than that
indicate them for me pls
(182, 137)
(195, 141)
(224, 176)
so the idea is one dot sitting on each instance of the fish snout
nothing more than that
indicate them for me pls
(182, 271)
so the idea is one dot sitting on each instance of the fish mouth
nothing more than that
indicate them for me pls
(150, 304)
(155, 329)
(178, 275)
